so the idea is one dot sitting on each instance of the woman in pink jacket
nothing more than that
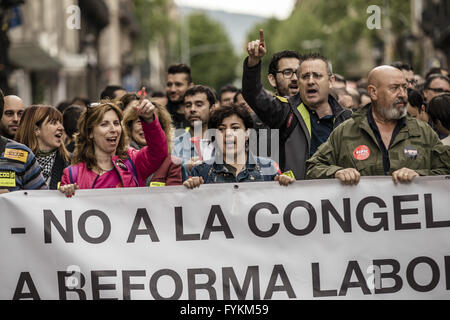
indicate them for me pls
(102, 160)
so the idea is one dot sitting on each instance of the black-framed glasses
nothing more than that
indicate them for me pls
(287, 73)
(439, 90)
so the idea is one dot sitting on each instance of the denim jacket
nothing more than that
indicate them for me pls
(256, 169)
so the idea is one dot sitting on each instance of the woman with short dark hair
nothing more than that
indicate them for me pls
(233, 161)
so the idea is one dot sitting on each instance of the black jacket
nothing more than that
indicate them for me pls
(57, 171)
(281, 113)
(179, 120)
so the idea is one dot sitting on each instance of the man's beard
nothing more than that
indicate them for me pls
(178, 102)
(284, 92)
(5, 133)
(393, 112)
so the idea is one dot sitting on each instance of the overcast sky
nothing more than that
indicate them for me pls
(281, 9)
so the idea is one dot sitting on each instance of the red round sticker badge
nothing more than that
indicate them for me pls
(361, 153)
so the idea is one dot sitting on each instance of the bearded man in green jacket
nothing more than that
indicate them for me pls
(381, 139)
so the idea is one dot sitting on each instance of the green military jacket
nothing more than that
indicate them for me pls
(353, 145)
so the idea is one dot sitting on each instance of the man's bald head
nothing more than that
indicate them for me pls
(387, 90)
(14, 101)
(380, 74)
(11, 115)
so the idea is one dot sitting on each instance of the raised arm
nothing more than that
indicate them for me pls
(272, 111)
(256, 50)
(149, 159)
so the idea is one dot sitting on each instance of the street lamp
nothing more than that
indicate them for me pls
(90, 52)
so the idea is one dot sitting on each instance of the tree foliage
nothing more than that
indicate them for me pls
(153, 20)
(332, 28)
(212, 57)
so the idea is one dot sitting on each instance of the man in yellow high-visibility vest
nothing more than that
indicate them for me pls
(306, 119)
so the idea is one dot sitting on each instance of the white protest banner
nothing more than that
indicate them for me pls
(254, 241)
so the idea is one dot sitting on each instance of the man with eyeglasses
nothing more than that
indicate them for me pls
(283, 73)
(380, 139)
(306, 119)
(436, 84)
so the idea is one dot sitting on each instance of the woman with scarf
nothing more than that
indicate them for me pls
(42, 131)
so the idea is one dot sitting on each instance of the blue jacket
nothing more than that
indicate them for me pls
(184, 149)
(256, 169)
(19, 169)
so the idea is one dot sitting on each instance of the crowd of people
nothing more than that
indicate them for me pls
(394, 123)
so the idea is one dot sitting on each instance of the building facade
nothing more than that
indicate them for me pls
(62, 49)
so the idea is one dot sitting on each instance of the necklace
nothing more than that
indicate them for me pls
(101, 171)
